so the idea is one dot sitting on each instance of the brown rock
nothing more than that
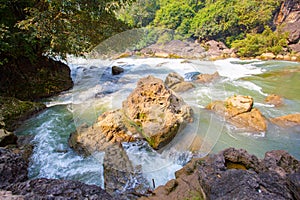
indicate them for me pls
(156, 112)
(267, 56)
(207, 78)
(238, 111)
(252, 121)
(287, 120)
(176, 82)
(172, 79)
(274, 100)
(232, 106)
(109, 129)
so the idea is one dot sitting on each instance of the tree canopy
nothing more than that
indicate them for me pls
(56, 27)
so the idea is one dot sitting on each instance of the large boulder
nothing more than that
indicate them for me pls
(58, 189)
(176, 83)
(108, 130)
(234, 174)
(287, 120)
(156, 112)
(13, 168)
(239, 111)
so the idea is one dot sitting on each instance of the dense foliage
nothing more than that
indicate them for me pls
(221, 20)
(57, 27)
(257, 44)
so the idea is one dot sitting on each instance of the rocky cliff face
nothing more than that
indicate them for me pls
(289, 18)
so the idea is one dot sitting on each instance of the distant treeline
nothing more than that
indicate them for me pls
(246, 25)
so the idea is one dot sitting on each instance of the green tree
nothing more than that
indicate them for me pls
(56, 27)
(221, 19)
(176, 15)
(139, 13)
(256, 44)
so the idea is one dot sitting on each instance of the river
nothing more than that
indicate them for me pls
(96, 91)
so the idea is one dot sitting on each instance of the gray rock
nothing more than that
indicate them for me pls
(13, 168)
(58, 190)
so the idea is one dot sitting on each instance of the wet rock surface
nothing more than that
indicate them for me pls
(108, 130)
(287, 120)
(207, 78)
(235, 174)
(239, 111)
(274, 99)
(176, 83)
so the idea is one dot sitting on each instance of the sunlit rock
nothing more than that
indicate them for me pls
(108, 130)
(207, 78)
(239, 111)
(274, 99)
(156, 112)
(287, 120)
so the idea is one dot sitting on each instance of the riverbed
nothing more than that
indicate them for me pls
(96, 91)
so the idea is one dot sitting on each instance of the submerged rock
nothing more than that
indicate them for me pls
(156, 112)
(287, 120)
(274, 99)
(238, 111)
(207, 78)
(176, 83)
(234, 174)
(58, 189)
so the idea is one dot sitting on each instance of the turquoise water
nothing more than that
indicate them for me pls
(96, 91)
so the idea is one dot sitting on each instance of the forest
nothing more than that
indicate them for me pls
(31, 28)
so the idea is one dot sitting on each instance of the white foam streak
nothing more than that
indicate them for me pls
(235, 71)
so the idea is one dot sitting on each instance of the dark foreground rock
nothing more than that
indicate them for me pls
(57, 189)
(13, 168)
(235, 174)
(121, 178)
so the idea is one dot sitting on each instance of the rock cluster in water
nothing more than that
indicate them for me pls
(239, 111)
(235, 174)
(14, 183)
(152, 112)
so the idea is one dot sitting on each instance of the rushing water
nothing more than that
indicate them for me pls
(96, 91)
